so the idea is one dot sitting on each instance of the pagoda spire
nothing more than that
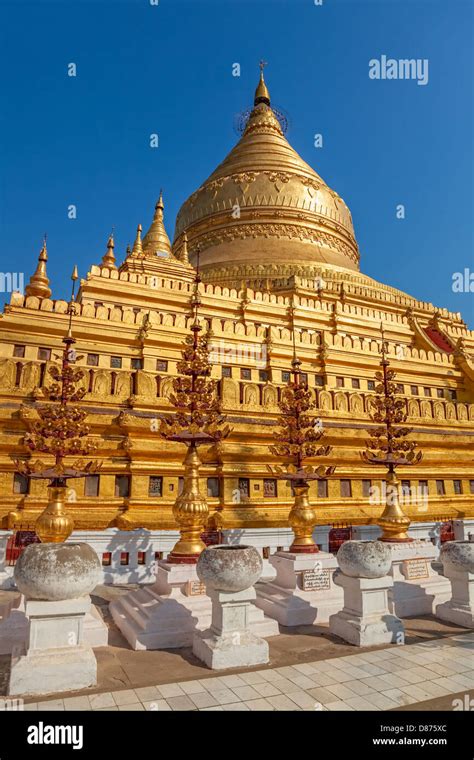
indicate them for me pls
(261, 93)
(137, 249)
(184, 254)
(156, 241)
(39, 281)
(108, 259)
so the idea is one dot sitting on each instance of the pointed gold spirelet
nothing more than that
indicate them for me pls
(184, 253)
(108, 259)
(137, 249)
(39, 281)
(156, 240)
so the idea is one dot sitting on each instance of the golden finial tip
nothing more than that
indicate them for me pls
(43, 255)
(261, 93)
(159, 205)
(74, 275)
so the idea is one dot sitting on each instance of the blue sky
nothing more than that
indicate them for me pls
(167, 69)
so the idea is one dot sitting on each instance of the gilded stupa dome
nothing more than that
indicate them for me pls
(265, 206)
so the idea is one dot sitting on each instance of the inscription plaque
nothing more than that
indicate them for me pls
(316, 580)
(195, 588)
(414, 569)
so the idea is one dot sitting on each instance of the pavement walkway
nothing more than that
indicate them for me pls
(386, 679)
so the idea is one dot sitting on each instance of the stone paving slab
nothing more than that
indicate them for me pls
(387, 679)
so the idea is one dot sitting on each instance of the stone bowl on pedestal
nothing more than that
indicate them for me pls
(364, 559)
(55, 572)
(458, 555)
(229, 568)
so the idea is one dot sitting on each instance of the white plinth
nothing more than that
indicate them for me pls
(460, 608)
(167, 614)
(285, 598)
(417, 587)
(14, 628)
(229, 642)
(365, 619)
(56, 658)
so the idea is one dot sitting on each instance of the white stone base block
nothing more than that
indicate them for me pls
(417, 588)
(221, 652)
(229, 642)
(365, 619)
(167, 614)
(460, 608)
(56, 658)
(285, 598)
(51, 671)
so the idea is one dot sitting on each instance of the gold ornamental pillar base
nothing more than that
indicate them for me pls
(302, 520)
(54, 525)
(123, 521)
(190, 512)
(14, 518)
(393, 521)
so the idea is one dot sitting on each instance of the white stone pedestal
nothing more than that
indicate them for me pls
(229, 642)
(417, 587)
(168, 613)
(458, 564)
(14, 628)
(460, 608)
(365, 619)
(303, 592)
(56, 659)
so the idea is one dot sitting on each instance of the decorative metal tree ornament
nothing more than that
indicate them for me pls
(60, 432)
(388, 447)
(297, 440)
(197, 420)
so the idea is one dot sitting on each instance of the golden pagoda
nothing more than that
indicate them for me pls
(278, 253)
